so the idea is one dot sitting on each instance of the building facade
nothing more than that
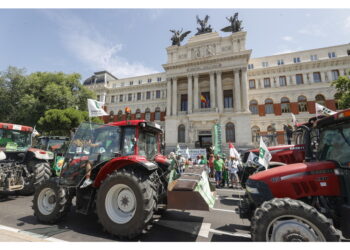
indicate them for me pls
(212, 80)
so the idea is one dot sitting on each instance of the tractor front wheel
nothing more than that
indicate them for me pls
(126, 202)
(291, 220)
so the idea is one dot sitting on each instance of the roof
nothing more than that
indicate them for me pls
(11, 126)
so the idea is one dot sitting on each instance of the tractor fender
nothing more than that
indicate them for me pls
(274, 164)
(120, 163)
(41, 154)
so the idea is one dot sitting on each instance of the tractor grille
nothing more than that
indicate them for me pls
(304, 187)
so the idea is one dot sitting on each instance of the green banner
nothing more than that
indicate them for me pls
(217, 139)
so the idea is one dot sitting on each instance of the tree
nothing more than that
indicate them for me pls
(342, 84)
(61, 122)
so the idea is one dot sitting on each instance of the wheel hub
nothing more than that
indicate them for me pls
(126, 201)
(292, 231)
(47, 201)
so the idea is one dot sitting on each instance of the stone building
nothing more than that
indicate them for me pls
(212, 80)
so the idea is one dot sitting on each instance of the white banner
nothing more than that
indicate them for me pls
(264, 154)
(294, 120)
(193, 152)
(233, 151)
(322, 110)
(95, 108)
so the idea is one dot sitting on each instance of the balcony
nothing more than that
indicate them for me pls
(204, 110)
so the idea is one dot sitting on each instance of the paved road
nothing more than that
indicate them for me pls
(220, 224)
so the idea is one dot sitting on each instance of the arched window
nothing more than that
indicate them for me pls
(157, 114)
(271, 129)
(120, 115)
(255, 134)
(253, 107)
(230, 132)
(147, 114)
(138, 114)
(271, 135)
(285, 105)
(302, 103)
(320, 100)
(269, 106)
(181, 134)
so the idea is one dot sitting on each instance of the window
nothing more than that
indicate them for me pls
(140, 81)
(230, 132)
(129, 97)
(302, 103)
(157, 114)
(158, 94)
(129, 143)
(283, 81)
(280, 62)
(120, 115)
(139, 96)
(331, 55)
(120, 98)
(148, 95)
(265, 64)
(269, 106)
(285, 105)
(313, 58)
(228, 99)
(112, 98)
(138, 114)
(267, 83)
(317, 76)
(159, 79)
(205, 102)
(149, 80)
(98, 98)
(131, 83)
(183, 102)
(147, 114)
(320, 100)
(250, 66)
(335, 74)
(253, 107)
(181, 134)
(296, 60)
(252, 84)
(299, 79)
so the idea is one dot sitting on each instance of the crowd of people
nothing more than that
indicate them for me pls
(223, 169)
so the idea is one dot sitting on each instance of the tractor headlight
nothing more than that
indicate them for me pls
(252, 190)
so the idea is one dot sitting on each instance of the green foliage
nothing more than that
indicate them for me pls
(26, 98)
(342, 84)
(61, 122)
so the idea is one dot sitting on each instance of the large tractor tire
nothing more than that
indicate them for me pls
(41, 171)
(51, 202)
(126, 202)
(291, 220)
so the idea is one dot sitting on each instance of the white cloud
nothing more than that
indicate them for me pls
(90, 47)
(287, 38)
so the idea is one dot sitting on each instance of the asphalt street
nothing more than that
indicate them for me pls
(221, 224)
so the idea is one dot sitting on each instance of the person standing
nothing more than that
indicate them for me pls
(211, 165)
(218, 166)
(233, 170)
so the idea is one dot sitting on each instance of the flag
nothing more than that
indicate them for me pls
(203, 99)
(322, 110)
(178, 149)
(35, 132)
(253, 158)
(294, 120)
(233, 151)
(264, 154)
(188, 153)
(95, 108)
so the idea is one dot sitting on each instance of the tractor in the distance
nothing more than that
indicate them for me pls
(128, 172)
(307, 201)
(21, 166)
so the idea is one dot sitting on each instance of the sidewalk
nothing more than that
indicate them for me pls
(11, 236)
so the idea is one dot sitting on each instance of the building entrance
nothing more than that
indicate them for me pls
(205, 141)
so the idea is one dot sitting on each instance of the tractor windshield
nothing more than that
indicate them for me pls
(335, 144)
(148, 145)
(15, 140)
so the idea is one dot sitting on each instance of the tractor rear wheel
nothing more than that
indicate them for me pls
(51, 202)
(291, 220)
(126, 202)
(41, 171)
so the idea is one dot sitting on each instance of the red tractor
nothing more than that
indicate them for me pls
(128, 172)
(307, 201)
(21, 166)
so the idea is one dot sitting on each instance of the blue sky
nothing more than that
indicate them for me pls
(131, 42)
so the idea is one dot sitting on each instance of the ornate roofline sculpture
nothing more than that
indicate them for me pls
(178, 37)
(204, 27)
(235, 24)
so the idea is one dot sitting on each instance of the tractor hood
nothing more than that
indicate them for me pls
(41, 154)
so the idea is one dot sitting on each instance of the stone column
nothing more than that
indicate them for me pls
(189, 94)
(174, 104)
(212, 90)
(168, 97)
(219, 92)
(195, 94)
(237, 92)
(287, 81)
(245, 107)
(329, 76)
